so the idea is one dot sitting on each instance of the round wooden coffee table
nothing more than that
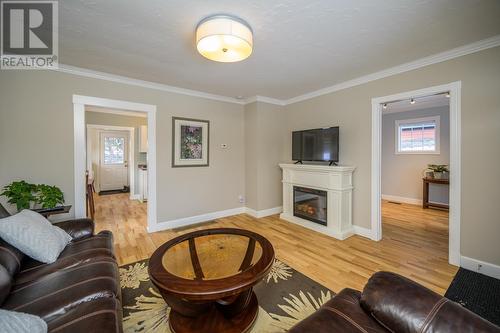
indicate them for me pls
(207, 277)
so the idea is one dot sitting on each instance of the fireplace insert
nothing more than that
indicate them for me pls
(310, 204)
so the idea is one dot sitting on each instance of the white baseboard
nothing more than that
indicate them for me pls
(263, 213)
(135, 196)
(365, 232)
(480, 266)
(182, 222)
(395, 198)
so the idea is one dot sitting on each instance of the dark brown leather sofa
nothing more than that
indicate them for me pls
(80, 292)
(392, 303)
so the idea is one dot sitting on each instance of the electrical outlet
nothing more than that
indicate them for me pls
(223, 145)
(241, 198)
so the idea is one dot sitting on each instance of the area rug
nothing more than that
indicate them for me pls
(285, 298)
(478, 293)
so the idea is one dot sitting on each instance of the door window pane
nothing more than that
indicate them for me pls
(114, 150)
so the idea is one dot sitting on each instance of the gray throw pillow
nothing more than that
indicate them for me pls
(34, 235)
(18, 322)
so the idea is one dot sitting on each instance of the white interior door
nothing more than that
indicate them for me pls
(113, 160)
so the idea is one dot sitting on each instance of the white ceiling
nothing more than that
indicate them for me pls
(299, 46)
(424, 102)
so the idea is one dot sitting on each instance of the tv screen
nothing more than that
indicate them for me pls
(321, 144)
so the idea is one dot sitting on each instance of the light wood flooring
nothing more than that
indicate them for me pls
(414, 244)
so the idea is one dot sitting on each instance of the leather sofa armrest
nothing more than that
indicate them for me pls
(78, 228)
(402, 305)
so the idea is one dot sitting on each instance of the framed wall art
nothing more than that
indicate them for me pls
(190, 140)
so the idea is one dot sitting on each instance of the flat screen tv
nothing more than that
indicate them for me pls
(320, 144)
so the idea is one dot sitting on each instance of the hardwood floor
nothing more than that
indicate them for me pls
(414, 244)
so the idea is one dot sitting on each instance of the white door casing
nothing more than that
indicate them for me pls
(113, 160)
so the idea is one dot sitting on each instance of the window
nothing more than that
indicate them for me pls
(114, 150)
(417, 136)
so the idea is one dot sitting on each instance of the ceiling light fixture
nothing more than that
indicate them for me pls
(224, 38)
(447, 95)
(384, 106)
(412, 101)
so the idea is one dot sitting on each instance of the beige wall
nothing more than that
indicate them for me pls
(36, 131)
(351, 110)
(264, 150)
(100, 118)
(402, 173)
(36, 141)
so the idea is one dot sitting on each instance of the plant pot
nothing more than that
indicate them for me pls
(438, 175)
(446, 175)
(429, 174)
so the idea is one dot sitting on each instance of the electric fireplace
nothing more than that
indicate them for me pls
(310, 204)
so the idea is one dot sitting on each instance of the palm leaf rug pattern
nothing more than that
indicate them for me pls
(285, 298)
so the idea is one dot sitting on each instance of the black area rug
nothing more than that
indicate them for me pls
(285, 298)
(124, 190)
(478, 293)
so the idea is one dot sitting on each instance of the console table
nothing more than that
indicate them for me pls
(425, 196)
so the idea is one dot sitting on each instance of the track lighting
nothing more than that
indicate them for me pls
(412, 101)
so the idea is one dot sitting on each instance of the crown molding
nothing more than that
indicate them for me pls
(265, 99)
(141, 83)
(426, 61)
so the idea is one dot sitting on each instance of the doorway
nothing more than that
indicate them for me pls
(114, 153)
(453, 91)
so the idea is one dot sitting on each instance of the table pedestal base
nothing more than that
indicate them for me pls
(215, 321)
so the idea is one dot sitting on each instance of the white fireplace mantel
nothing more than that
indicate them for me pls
(336, 181)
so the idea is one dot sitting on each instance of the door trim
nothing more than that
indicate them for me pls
(131, 151)
(80, 163)
(455, 150)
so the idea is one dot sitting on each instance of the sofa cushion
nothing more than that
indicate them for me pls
(340, 314)
(34, 235)
(62, 290)
(403, 305)
(18, 322)
(100, 315)
(100, 245)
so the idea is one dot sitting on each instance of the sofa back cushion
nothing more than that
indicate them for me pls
(5, 284)
(402, 305)
(10, 257)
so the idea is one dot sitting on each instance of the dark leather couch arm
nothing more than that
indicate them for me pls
(404, 306)
(77, 228)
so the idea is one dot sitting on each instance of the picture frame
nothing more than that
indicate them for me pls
(190, 142)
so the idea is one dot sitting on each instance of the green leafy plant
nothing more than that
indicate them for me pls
(438, 167)
(20, 193)
(49, 196)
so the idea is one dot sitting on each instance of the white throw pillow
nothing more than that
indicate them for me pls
(18, 322)
(34, 235)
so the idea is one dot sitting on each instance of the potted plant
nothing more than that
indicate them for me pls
(440, 171)
(49, 196)
(20, 193)
(25, 195)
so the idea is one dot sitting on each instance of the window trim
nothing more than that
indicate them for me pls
(398, 123)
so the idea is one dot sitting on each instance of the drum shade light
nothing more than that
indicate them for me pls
(224, 38)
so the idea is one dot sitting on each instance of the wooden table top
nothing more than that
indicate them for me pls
(212, 263)
(436, 181)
